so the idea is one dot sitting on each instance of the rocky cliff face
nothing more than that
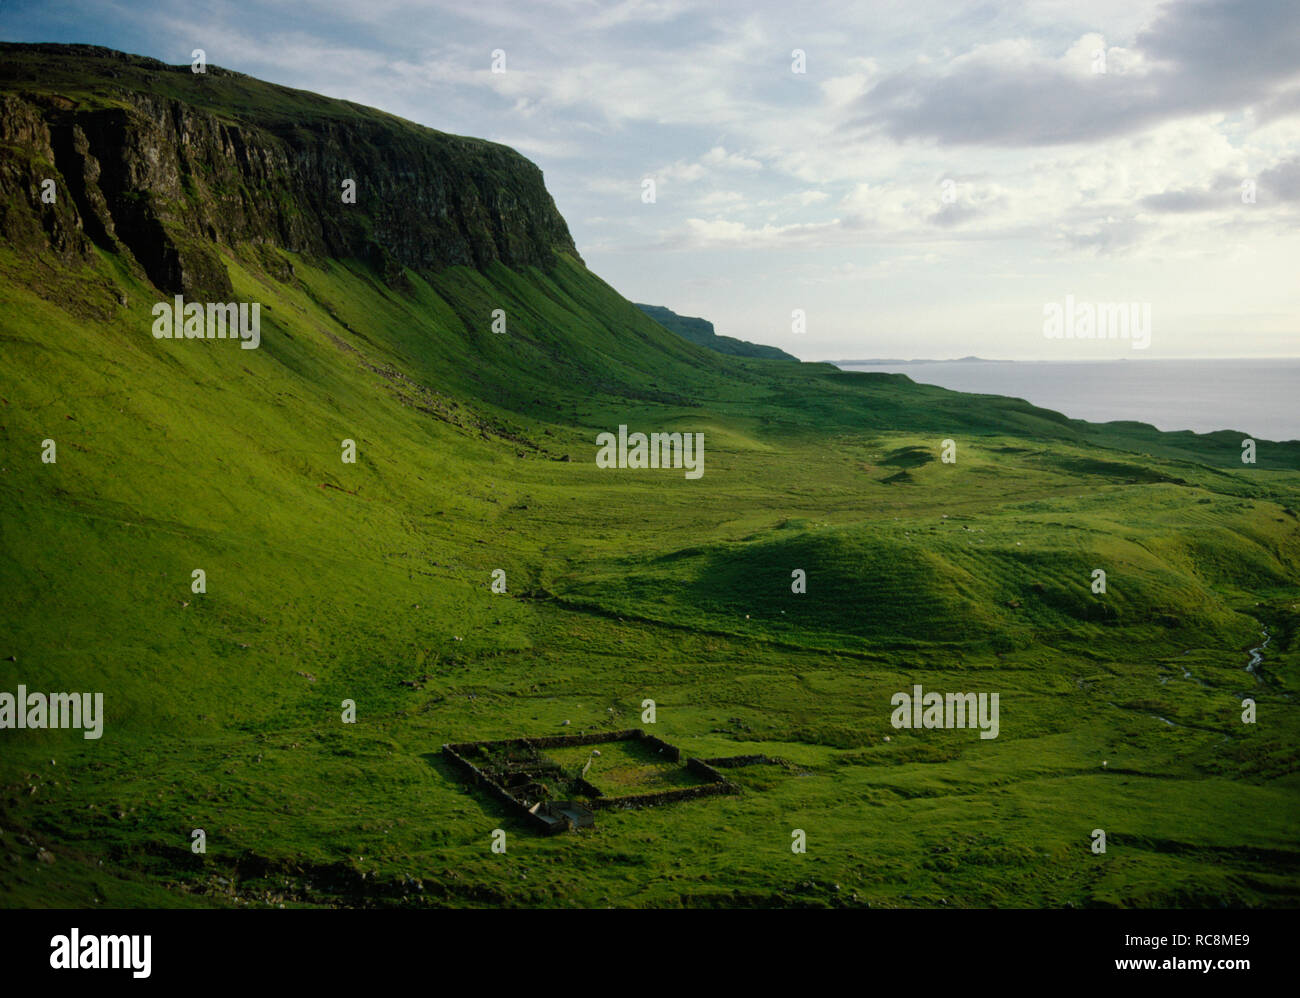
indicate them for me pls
(165, 165)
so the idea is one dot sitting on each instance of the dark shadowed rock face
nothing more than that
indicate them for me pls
(165, 165)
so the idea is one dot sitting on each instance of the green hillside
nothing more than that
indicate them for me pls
(700, 332)
(475, 452)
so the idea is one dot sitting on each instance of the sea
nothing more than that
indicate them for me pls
(1257, 397)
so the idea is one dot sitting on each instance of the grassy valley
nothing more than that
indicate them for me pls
(372, 582)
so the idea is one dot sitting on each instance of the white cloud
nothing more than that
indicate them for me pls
(723, 233)
(719, 157)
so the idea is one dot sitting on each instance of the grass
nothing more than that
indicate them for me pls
(624, 768)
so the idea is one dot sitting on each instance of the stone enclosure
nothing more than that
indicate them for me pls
(557, 783)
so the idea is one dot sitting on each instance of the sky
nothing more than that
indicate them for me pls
(916, 179)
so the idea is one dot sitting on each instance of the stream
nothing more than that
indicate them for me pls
(1257, 655)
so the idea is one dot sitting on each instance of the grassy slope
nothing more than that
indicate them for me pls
(622, 586)
(700, 332)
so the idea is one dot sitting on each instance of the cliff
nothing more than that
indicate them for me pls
(700, 332)
(164, 165)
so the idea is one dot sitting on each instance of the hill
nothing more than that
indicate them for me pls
(371, 581)
(700, 331)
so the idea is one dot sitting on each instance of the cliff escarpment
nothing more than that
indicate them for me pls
(166, 166)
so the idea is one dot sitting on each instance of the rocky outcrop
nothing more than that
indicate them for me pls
(700, 332)
(168, 166)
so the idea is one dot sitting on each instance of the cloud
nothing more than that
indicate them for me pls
(721, 233)
(954, 214)
(1196, 57)
(719, 157)
(1181, 202)
(1283, 180)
